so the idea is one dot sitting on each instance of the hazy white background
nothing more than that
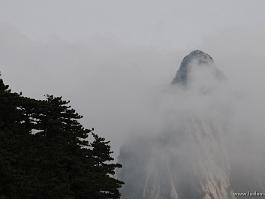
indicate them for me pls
(111, 57)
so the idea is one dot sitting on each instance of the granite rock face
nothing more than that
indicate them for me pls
(196, 58)
(187, 159)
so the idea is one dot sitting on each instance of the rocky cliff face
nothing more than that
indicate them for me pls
(187, 159)
(196, 60)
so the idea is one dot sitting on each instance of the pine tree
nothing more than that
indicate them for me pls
(14, 142)
(107, 185)
(46, 153)
(61, 137)
(82, 168)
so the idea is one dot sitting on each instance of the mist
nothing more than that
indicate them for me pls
(203, 140)
(117, 66)
(112, 84)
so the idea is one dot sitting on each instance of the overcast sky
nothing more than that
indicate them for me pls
(174, 23)
(104, 55)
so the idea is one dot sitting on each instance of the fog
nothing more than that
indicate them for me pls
(203, 140)
(110, 83)
(115, 61)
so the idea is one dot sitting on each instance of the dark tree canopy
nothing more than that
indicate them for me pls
(45, 153)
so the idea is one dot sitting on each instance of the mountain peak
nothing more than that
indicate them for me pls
(196, 57)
